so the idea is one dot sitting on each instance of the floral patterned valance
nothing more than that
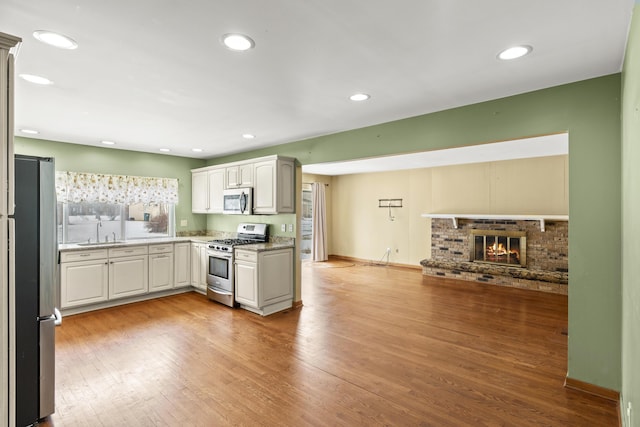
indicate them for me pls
(78, 187)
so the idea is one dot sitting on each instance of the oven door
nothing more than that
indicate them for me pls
(220, 271)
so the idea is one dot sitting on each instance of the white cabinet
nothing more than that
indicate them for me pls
(264, 280)
(128, 271)
(199, 263)
(206, 190)
(182, 265)
(274, 186)
(239, 176)
(246, 278)
(84, 278)
(161, 267)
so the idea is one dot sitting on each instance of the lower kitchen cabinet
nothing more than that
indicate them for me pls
(160, 267)
(128, 272)
(264, 280)
(199, 266)
(181, 264)
(84, 278)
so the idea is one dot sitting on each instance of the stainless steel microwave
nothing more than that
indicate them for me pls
(238, 201)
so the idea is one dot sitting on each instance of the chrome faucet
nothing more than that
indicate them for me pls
(98, 225)
(114, 236)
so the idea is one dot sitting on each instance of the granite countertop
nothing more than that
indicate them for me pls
(258, 247)
(262, 247)
(134, 242)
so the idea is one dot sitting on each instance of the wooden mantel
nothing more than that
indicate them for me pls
(540, 218)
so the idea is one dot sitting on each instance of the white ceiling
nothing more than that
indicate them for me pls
(152, 74)
(542, 146)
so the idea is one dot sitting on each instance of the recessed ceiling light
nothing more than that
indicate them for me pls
(55, 39)
(197, 150)
(165, 150)
(359, 97)
(515, 52)
(29, 131)
(248, 136)
(36, 79)
(238, 42)
(108, 142)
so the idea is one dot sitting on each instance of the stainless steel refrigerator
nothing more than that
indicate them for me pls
(35, 288)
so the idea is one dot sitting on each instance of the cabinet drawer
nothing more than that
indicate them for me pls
(247, 256)
(127, 251)
(161, 249)
(83, 255)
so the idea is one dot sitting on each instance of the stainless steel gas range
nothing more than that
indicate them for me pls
(220, 282)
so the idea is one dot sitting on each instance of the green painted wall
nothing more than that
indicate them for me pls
(590, 112)
(631, 223)
(83, 158)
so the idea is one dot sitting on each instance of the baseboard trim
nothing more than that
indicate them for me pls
(296, 305)
(596, 390)
(368, 261)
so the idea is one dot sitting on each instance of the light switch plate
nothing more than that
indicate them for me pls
(183, 223)
(283, 227)
(290, 228)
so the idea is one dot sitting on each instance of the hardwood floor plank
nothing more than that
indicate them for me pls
(370, 346)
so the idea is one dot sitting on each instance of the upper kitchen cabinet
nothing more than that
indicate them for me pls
(274, 188)
(206, 190)
(271, 177)
(239, 176)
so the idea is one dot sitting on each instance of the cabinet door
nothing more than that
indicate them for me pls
(204, 267)
(245, 175)
(128, 276)
(232, 177)
(246, 283)
(160, 272)
(199, 192)
(195, 264)
(264, 194)
(276, 276)
(83, 282)
(216, 190)
(286, 188)
(181, 265)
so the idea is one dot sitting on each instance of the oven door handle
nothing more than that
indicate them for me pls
(220, 255)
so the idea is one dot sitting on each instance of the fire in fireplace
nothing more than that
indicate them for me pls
(499, 247)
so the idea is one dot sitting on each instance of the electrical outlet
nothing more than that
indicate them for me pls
(290, 228)
(629, 413)
(397, 250)
(283, 227)
(388, 250)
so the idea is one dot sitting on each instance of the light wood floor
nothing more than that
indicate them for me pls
(371, 346)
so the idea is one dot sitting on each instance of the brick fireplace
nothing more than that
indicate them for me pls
(528, 254)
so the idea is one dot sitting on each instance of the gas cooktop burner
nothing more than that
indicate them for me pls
(232, 242)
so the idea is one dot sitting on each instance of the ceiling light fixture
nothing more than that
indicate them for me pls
(515, 52)
(165, 150)
(108, 142)
(248, 136)
(55, 39)
(29, 131)
(238, 42)
(359, 97)
(36, 79)
(197, 150)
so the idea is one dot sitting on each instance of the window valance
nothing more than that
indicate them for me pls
(77, 187)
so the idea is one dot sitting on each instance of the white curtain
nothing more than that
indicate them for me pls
(77, 187)
(319, 222)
